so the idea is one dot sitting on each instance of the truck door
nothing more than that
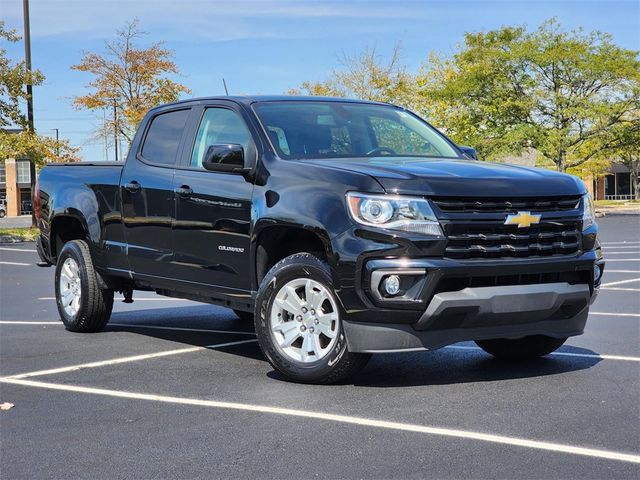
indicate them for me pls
(147, 194)
(213, 209)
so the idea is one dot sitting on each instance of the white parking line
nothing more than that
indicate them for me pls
(621, 271)
(360, 421)
(621, 246)
(16, 264)
(131, 325)
(16, 322)
(615, 314)
(180, 329)
(565, 354)
(17, 250)
(622, 289)
(606, 253)
(152, 299)
(610, 284)
(620, 243)
(609, 260)
(133, 358)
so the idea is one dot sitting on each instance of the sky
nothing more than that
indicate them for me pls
(268, 46)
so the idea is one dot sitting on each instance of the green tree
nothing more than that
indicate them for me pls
(368, 76)
(132, 78)
(557, 92)
(13, 78)
(37, 148)
(626, 148)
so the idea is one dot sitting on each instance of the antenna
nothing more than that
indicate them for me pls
(225, 87)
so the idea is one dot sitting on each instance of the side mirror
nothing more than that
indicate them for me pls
(227, 157)
(469, 152)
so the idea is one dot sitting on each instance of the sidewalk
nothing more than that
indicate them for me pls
(626, 209)
(16, 222)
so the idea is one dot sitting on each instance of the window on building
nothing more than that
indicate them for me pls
(3, 174)
(23, 172)
(623, 182)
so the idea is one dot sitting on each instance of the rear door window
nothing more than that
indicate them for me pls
(163, 137)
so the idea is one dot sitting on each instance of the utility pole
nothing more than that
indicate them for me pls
(57, 141)
(30, 128)
(106, 134)
(115, 127)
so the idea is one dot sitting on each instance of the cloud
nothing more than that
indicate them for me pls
(210, 20)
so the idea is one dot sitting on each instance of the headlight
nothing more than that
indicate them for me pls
(410, 214)
(588, 212)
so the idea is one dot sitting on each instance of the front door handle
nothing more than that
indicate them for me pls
(132, 187)
(183, 191)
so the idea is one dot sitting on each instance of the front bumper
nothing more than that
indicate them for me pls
(554, 309)
(449, 301)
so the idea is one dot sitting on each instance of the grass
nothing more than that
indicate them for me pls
(616, 203)
(26, 234)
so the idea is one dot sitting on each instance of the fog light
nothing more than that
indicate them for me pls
(597, 273)
(392, 284)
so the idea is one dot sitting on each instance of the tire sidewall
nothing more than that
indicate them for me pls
(296, 266)
(72, 250)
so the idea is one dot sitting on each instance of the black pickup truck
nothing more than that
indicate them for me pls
(343, 228)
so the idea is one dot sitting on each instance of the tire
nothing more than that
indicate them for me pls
(521, 348)
(82, 305)
(244, 316)
(319, 353)
(2, 213)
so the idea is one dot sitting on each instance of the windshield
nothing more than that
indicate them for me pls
(309, 129)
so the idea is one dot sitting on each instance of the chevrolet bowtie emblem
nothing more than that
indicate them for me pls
(522, 219)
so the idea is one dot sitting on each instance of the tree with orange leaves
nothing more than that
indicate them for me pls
(129, 77)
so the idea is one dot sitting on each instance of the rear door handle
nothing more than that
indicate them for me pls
(183, 191)
(132, 186)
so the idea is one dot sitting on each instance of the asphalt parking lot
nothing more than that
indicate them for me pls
(174, 388)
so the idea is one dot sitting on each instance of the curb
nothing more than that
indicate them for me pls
(12, 239)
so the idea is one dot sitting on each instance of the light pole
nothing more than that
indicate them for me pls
(115, 126)
(57, 141)
(27, 61)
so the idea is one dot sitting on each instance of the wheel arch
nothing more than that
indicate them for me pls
(274, 240)
(65, 227)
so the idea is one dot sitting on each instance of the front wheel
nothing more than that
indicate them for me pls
(521, 348)
(299, 325)
(82, 305)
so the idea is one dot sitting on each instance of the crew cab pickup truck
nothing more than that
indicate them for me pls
(342, 228)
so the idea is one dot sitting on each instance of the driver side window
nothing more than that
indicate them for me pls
(219, 125)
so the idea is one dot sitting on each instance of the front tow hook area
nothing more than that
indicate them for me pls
(486, 306)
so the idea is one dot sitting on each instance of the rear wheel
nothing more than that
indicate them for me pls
(299, 325)
(82, 305)
(521, 348)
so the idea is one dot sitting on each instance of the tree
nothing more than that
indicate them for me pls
(130, 78)
(555, 91)
(37, 148)
(625, 145)
(13, 78)
(368, 76)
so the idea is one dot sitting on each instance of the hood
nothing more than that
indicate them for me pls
(450, 177)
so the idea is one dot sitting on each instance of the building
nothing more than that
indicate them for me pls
(615, 185)
(15, 184)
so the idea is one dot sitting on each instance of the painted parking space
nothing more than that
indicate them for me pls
(150, 384)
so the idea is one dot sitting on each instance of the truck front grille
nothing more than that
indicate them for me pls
(495, 240)
(502, 205)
